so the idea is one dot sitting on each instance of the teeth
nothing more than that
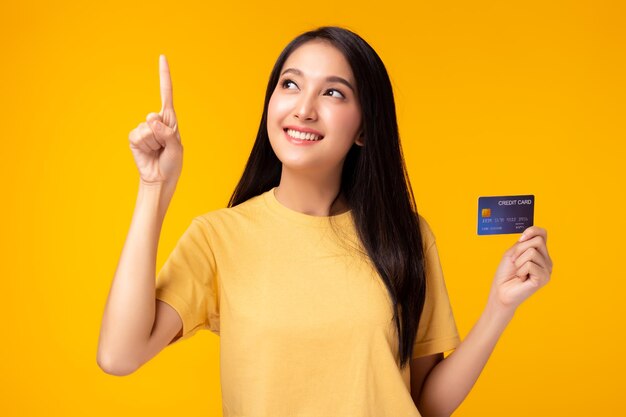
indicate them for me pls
(303, 136)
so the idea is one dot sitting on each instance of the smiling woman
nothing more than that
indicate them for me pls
(320, 277)
(328, 147)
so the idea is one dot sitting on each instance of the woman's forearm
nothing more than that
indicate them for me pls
(449, 382)
(129, 312)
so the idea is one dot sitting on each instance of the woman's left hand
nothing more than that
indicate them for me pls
(525, 267)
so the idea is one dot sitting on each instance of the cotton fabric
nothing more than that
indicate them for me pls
(304, 320)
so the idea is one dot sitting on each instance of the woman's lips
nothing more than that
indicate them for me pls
(304, 130)
(300, 141)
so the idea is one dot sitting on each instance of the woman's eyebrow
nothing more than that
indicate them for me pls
(332, 78)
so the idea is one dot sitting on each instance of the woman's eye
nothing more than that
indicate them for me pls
(284, 83)
(337, 91)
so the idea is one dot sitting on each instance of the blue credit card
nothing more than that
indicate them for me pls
(499, 215)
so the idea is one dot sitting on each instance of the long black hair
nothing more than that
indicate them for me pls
(374, 181)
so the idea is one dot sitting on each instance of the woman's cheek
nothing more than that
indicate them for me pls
(271, 108)
(346, 123)
(280, 106)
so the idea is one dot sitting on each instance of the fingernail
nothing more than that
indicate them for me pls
(522, 237)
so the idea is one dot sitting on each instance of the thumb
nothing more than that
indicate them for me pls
(164, 134)
(151, 117)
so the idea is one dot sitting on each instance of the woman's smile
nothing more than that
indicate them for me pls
(298, 137)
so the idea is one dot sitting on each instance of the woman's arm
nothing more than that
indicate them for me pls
(449, 382)
(129, 313)
(525, 267)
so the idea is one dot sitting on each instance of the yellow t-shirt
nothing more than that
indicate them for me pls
(305, 322)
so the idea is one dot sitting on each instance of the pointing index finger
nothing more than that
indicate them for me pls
(166, 84)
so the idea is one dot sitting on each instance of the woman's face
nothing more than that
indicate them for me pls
(314, 92)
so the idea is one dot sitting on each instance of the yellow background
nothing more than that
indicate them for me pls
(493, 98)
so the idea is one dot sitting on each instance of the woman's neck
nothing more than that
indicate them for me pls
(311, 197)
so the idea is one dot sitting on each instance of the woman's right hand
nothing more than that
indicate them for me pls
(155, 143)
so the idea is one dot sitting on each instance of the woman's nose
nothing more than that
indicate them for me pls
(305, 107)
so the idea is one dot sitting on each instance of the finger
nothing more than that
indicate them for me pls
(533, 231)
(536, 242)
(169, 118)
(152, 116)
(535, 274)
(148, 137)
(153, 120)
(534, 255)
(144, 148)
(137, 139)
(158, 131)
(167, 102)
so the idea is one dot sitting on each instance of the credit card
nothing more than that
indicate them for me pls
(499, 215)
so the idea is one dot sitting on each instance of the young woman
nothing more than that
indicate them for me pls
(320, 277)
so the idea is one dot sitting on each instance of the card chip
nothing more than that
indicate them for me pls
(486, 212)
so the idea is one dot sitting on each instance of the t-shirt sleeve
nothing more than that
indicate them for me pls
(437, 330)
(188, 280)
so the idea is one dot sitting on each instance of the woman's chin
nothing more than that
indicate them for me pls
(300, 164)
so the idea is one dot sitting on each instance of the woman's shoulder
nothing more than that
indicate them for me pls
(229, 215)
(428, 236)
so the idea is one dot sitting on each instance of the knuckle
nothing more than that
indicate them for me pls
(146, 131)
(134, 136)
(141, 137)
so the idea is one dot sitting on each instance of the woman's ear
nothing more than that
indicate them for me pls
(359, 140)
